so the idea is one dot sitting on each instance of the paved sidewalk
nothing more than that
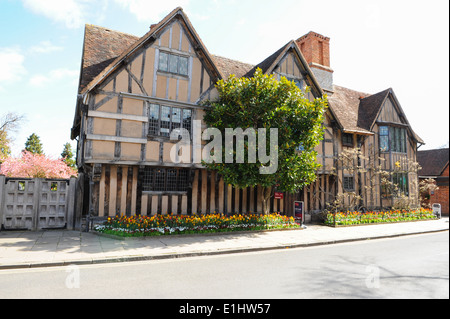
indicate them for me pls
(63, 247)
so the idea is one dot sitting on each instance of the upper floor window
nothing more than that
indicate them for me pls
(393, 139)
(398, 139)
(173, 63)
(384, 139)
(347, 139)
(164, 119)
(298, 82)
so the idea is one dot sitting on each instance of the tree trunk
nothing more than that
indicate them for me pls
(267, 194)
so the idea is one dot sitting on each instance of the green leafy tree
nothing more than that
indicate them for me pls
(34, 145)
(265, 102)
(67, 155)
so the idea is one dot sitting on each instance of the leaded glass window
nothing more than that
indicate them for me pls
(163, 61)
(153, 127)
(164, 119)
(173, 63)
(393, 138)
(349, 183)
(183, 65)
(384, 139)
(165, 180)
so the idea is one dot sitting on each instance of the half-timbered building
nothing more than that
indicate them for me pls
(133, 91)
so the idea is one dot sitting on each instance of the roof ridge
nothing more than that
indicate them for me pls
(265, 64)
(140, 40)
(346, 88)
(111, 30)
(224, 57)
(435, 149)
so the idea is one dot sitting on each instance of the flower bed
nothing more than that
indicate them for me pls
(158, 225)
(356, 218)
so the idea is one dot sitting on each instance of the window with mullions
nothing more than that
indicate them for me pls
(384, 139)
(298, 82)
(164, 119)
(396, 186)
(153, 127)
(176, 118)
(349, 183)
(401, 180)
(172, 63)
(159, 180)
(165, 180)
(187, 120)
(398, 139)
(347, 139)
(392, 139)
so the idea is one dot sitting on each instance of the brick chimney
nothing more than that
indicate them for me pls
(316, 50)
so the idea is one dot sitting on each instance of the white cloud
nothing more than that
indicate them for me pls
(57, 75)
(45, 47)
(11, 65)
(69, 12)
(151, 11)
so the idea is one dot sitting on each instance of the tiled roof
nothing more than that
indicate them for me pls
(433, 162)
(267, 63)
(345, 103)
(101, 47)
(105, 48)
(137, 42)
(369, 108)
(228, 66)
(357, 111)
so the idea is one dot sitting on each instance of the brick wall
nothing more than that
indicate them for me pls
(315, 48)
(441, 197)
(445, 173)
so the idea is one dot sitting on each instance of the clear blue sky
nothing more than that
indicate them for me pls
(374, 45)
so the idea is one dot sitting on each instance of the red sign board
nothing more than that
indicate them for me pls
(279, 195)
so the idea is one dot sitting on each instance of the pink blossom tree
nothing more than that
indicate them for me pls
(31, 165)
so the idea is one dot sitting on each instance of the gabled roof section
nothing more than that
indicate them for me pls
(269, 65)
(401, 113)
(101, 47)
(433, 162)
(154, 32)
(358, 112)
(369, 108)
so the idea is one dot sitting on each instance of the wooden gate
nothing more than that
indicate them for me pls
(34, 204)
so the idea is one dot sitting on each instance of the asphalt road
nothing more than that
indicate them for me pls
(406, 267)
